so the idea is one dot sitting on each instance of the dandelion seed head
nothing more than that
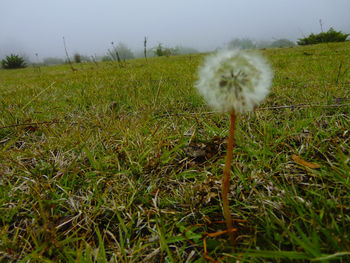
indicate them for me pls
(234, 80)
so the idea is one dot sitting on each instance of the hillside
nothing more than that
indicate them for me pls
(115, 162)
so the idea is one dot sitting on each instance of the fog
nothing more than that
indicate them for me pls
(89, 26)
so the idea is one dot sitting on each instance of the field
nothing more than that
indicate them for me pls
(123, 163)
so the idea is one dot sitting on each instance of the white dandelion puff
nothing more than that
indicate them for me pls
(234, 80)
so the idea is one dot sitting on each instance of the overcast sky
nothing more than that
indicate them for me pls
(89, 26)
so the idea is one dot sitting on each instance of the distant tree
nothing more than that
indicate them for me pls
(159, 50)
(77, 58)
(283, 42)
(164, 51)
(263, 44)
(85, 58)
(13, 62)
(241, 43)
(185, 50)
(122, 51)
(114, 54)
(141, 53)
(330, 36)
(106, 59)
(53, 61)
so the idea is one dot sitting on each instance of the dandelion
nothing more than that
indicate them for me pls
(234, 82)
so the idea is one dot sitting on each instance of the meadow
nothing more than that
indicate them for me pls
(122, 162)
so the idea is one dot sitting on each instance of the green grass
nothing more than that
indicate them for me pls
(113, 164)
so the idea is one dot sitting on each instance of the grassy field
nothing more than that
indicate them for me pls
(113, 163)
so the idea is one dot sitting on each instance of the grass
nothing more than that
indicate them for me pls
(113, 164)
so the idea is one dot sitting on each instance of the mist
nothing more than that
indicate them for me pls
(89, 27)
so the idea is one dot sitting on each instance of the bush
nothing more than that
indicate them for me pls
(77, 58)
(84, 58)
(53, 61)
(241, 43)
(330, 36)
(282, 43)
(185, 50)
(106, 59)
(263, 44)
(13, 61)
(164, 51)
(122, 51)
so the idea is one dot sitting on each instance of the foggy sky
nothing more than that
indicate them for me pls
(89, 26)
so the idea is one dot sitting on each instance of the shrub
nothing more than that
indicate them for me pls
(13, 61)
(330, 36)
(84, 58)
(241, 43)
(162, 51)
(106, 59)
(53, 61)
(122, 51)
(77, 58)
(282, 43)
(180, 50)
(263, 44)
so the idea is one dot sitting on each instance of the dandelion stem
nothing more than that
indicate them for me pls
(226, 177)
